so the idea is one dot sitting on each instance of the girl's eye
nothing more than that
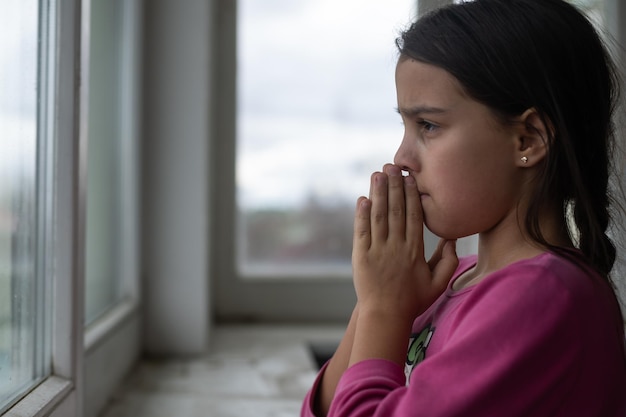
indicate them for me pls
(427, 126)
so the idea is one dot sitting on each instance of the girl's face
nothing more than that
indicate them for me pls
(465, 162)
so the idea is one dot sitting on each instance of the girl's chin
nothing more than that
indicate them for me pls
(441, 232)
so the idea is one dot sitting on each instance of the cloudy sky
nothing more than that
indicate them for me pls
(18, 89)
(316, 98)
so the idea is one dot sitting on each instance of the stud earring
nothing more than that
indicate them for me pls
(524, 159)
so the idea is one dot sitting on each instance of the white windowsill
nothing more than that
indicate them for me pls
(116, 316)
(42, 399)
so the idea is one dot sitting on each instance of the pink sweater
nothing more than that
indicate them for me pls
(541, 337)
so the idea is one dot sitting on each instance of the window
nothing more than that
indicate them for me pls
(24, 200)
(315, 100)
(111, 270)
(49, 364)
(111, 161)
(307, 118)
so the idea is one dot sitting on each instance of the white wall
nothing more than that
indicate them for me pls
(176, 199)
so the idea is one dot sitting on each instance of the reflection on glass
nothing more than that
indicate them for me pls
(315, 117)
(20, 286)
(106, 237)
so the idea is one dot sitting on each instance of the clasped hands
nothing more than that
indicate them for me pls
(391, 275)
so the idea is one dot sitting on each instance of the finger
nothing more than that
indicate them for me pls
(362, 232)
(414, 214)
(447, 264)
(437, 254)
(378, 215)
(396, 206)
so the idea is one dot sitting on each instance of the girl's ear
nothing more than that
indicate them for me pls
(533, 137)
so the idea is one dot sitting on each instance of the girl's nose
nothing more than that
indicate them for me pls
(404, 158)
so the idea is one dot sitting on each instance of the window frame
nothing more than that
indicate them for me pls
(111, 342)
(262, 298)
(87, 362)
(61, 391)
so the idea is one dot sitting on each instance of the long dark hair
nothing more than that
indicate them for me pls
(513, 55)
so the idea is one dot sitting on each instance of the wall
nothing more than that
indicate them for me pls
(176, 199)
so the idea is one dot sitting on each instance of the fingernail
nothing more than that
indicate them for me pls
(394, 171)
(409, 180)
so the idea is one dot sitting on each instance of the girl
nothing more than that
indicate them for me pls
(507, 107)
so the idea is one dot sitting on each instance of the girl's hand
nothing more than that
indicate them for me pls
(391, 276)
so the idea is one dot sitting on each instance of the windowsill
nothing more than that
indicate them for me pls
(42, 399)
(96, 332)
(263, 370)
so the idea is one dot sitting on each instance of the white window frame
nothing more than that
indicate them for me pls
(87, 363)
(329, 298)
(60, 394)
(112, 342)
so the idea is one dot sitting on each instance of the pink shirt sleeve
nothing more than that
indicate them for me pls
(363, 372)
(308, 403)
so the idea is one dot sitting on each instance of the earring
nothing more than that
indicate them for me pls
(524, 159)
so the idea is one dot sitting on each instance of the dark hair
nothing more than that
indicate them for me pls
(513, 55)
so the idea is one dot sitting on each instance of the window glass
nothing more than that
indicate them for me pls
(315, 117)
(109, 176)
(23, 358)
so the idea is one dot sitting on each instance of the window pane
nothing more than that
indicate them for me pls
(108, 178)
(315, 116)
(23, 358)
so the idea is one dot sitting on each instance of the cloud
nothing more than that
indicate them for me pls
(316, 96)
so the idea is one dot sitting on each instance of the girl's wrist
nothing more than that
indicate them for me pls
(386, 312)
(380, 334)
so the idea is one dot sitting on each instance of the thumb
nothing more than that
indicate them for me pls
(446, 264)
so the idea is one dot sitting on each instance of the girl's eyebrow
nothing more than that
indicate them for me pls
(416, 110)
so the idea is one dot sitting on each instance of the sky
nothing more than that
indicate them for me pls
(316, 98)
(18, 89)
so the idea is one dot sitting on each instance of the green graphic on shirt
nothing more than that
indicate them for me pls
(418, 345)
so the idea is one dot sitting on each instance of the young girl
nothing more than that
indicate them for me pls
(507, 107)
